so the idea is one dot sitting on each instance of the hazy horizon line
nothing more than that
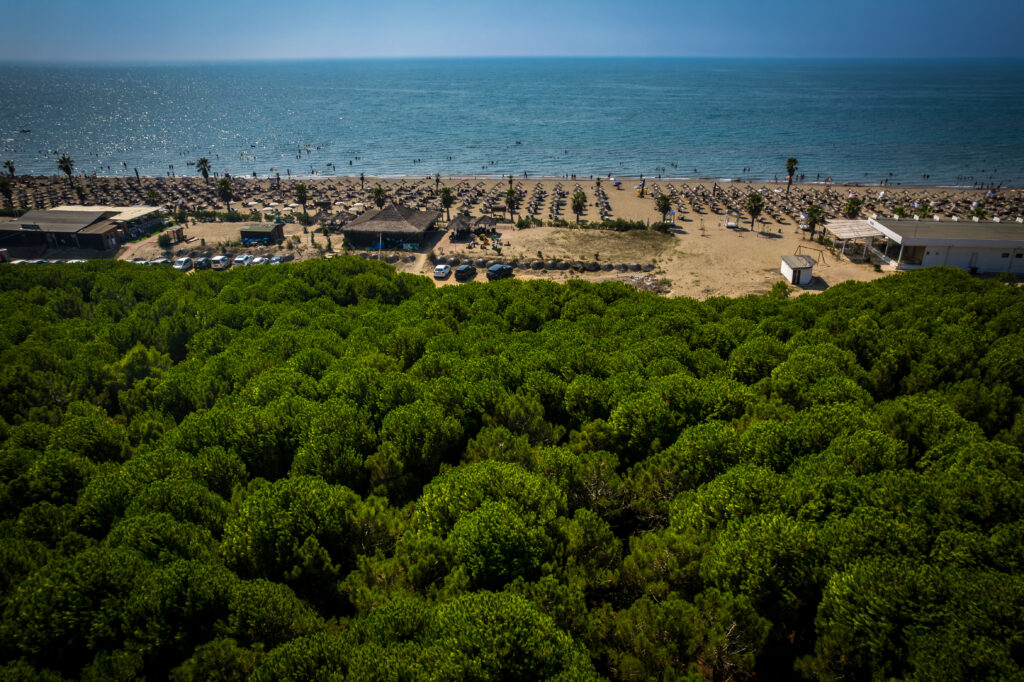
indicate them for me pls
(264, 60)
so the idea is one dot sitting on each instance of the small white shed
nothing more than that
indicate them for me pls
(798, 270)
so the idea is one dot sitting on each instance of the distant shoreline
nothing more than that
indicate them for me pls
(458, 177)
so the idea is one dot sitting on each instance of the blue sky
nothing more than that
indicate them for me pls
(200, 30)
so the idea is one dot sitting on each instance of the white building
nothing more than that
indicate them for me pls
(989, 247)
(798, 270)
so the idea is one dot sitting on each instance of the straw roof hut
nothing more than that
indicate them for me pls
(393, 223)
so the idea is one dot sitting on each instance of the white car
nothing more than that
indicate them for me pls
(260, 260)
(243, 259)
(183, 264)
(442, 271)
(220, 262)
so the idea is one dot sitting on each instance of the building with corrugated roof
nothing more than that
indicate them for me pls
(77, 227)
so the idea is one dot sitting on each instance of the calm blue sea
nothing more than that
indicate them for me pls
(917, 122)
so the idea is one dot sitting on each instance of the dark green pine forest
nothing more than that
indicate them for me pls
(331, 471)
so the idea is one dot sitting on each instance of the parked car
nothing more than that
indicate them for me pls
(139, 261)
(55, 261)
(220, 262)
(159, 261)
(500, 271)
(77, 260)
(243, 259)
(184, 264)
(442, 271)
(202, 263)
(464, 273)
(260, 260)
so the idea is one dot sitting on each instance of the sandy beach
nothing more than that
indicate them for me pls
(698, 256)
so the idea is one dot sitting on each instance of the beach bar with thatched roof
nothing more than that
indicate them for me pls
(392, 224)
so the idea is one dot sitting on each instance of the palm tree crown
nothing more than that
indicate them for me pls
(380, 196)
(852, 208)
(225, 192)
(664, 204)
(791, 164)
(446, 201)
(815, 217)
(579, 203)
(203, 167)
(65, 165)
(511, 202)
(755, 204)
(302, 194)
(5, 190)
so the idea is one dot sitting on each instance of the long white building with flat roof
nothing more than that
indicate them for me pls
(978, 247)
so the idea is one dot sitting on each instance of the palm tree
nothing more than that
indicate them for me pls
(362, 181)
(790, 172)
(380, 196)
(511, 202)
(664, 204)
(5, 189)
(579, 203)
(815, 217)
(979, 213)
(152, 197)
(510, 181)
(66, 166)
(447, 199)
(9, 165)
(852, 209)
(203, 168)
(301, 194)
(900, 212)
(225, 192)
(755, 204)
(924, 211)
